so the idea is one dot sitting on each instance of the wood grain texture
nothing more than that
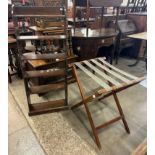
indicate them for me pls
(105, 3)
(142, 36)
(46, 88)
(44, 73)
(141, 149)
(98, 80)
(33, 56)
(38, 37)
(36, 10)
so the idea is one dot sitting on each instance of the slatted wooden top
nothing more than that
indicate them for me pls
(142, 36)
(105, 72)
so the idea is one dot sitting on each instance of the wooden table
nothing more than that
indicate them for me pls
(86, 42)
(141, 36)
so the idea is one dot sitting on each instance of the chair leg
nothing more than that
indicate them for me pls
(121, 112)
(117, 56)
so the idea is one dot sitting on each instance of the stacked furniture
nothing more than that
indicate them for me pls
(58, 16)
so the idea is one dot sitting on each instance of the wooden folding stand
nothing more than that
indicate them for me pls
(116, 81)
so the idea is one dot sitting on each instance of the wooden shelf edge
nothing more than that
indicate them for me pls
(49, 110)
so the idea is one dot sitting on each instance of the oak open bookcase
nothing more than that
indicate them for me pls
(57, 15)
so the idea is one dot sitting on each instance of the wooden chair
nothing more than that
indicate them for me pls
(125, 28)
(111, 81)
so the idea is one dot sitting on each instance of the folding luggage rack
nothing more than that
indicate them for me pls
(111, 79)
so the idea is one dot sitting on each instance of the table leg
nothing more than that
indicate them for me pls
(139, 44)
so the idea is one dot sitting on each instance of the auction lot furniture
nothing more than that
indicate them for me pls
(43, 64)
(86, 46)
(111, 80)
(13, 58)
(95, 35)
(142, 54)
(125, 27)
(58, 15)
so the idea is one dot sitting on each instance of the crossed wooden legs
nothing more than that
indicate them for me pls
(85, 101)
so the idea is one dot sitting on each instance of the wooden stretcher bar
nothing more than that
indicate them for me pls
(100, 71)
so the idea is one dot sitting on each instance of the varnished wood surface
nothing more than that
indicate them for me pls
(81, 20)
(99, 3)
(141, 149)
(81, 32)
(41, 63)
(94, 33)
(109, 86)
(46, 88)
(120, 78)
(11, 40)
(37, 37)
(40, 29)
(140, 21)
(142, 36)
(33, 56)
(105, 3)
(138, 13)
(44, 73)
(37, 11)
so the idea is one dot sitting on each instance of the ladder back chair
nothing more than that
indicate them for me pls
(111, 81)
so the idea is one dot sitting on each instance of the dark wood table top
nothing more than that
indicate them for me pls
(94, 33)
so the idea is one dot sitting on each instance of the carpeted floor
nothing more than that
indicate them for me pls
(69, 132)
